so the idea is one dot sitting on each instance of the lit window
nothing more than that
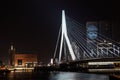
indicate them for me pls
(19, 61)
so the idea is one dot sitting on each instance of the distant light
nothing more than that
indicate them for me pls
(105, 41)
(100, 63)
(110, 43)
(51, 61)
(11, 47)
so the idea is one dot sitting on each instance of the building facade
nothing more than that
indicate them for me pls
(21, 59)
(25, 60)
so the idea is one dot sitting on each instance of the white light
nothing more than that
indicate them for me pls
(11, 47)
(100, 63)
(64, 35)
(110, 43)
(51, 61)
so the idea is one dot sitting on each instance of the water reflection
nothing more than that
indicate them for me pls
(3, 77)
(77, 76)
(52, 76)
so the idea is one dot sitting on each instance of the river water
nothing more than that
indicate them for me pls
(52, 76)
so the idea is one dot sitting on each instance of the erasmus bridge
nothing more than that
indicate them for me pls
(83, 49)
(77, 42)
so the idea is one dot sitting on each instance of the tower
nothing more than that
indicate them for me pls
(11, 55)
(64, 38)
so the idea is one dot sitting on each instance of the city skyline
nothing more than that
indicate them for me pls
(32, 26)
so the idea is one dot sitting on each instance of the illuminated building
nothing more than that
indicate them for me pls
(21, 59)
(25, 60)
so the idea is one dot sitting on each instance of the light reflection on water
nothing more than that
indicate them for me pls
(52, 76)
(77, 76)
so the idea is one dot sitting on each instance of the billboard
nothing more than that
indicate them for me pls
(92, 30)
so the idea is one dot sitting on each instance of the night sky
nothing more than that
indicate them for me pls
(32, 25)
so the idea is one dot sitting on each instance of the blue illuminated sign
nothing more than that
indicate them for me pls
(92, 32)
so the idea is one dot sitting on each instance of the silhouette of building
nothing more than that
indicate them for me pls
(106, 29)
(116, 30)
(11, 55)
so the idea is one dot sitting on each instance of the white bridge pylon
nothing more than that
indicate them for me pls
(64, 37)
